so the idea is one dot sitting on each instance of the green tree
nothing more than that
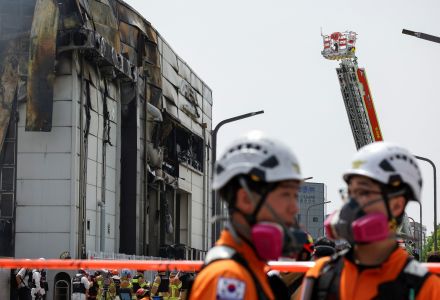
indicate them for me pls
(429, 245)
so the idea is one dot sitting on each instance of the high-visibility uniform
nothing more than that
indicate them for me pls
(138, 282)
(175, 290)
(125, 289)
(364, 282)
(227, 278)
(106, 288)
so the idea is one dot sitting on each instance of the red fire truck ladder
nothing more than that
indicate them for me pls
(354, 87)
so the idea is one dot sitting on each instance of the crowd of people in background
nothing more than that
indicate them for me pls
(128, 285)
(108, 285)
(31, 284)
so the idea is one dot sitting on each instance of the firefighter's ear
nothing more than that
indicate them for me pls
(243, 202)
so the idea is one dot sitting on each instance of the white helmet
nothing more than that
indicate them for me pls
(389, 164)
(264, 159)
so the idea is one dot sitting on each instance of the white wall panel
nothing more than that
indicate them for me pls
(94, 98)
(169, 55)
(90, 243)
(197, 241)
(62, 89)
(98, 175)
(43, 219)
(92, 151)
(58, 140)
(197, 129)
(197, 194)
(110, 180)
(91, 172)
(43, 165)
(32, 245)
(110, 202)
(197, 180)
(43, 192)
(111, 156)
(197, 210)
(91, 193)
(62, 113)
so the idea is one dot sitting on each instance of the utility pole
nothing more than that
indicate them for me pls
(435, 196)
(423, 36)
(216, 204)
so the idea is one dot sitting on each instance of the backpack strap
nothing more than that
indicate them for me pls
(223, 253)
(327, 284)
(407, 284)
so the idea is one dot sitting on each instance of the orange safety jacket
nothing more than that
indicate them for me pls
(223, 279)
(364, 282)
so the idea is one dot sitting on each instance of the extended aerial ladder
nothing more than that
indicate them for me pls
(354, 87)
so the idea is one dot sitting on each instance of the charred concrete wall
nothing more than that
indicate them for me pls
(113, 140)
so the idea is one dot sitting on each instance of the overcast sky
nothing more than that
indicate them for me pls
(266, 55)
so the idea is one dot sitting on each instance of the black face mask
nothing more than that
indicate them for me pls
(355, 226)
(294, 240)
(349, 212)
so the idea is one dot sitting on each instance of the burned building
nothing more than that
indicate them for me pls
(105, 135)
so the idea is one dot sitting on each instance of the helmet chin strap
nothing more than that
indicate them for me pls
(387, 195)
(251, 219)
(259, 204)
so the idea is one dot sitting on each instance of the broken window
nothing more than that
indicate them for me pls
(182, 146)
(189, 148)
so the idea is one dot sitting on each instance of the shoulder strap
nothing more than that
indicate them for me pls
(296, 284)
(327, 286)
(224, 252)
(239, 259)
(407, 284)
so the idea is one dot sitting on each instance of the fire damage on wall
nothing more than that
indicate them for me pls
(163, 105)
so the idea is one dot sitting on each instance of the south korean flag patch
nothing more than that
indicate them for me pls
(230, 289)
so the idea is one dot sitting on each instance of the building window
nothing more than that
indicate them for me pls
(315, 219)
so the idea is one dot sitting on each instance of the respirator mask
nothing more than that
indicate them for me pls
(273, 239)
(355, 226)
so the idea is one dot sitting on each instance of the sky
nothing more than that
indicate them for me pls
(266, 55)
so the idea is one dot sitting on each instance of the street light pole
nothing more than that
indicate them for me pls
(434, 39)
(307, 212)
(421, 230)
(423, 36)
(215, 203)
(414, 226)
(435, 197)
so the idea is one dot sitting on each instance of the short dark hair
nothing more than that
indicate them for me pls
(323, 241)
(324, 247)
(229, 191)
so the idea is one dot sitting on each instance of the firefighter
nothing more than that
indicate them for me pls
(93, 287)
(175, 286)
(143, 294)
(24, 282)
(38, 287)
(259, 179)
(80, 286)
(138, 281)
(106, 286)
(125, 288)
(161, 285)
(383, 178)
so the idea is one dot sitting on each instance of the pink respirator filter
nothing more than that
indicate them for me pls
(268, 240)
(370, 228)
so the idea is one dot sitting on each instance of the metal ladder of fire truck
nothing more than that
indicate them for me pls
(352, 96)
